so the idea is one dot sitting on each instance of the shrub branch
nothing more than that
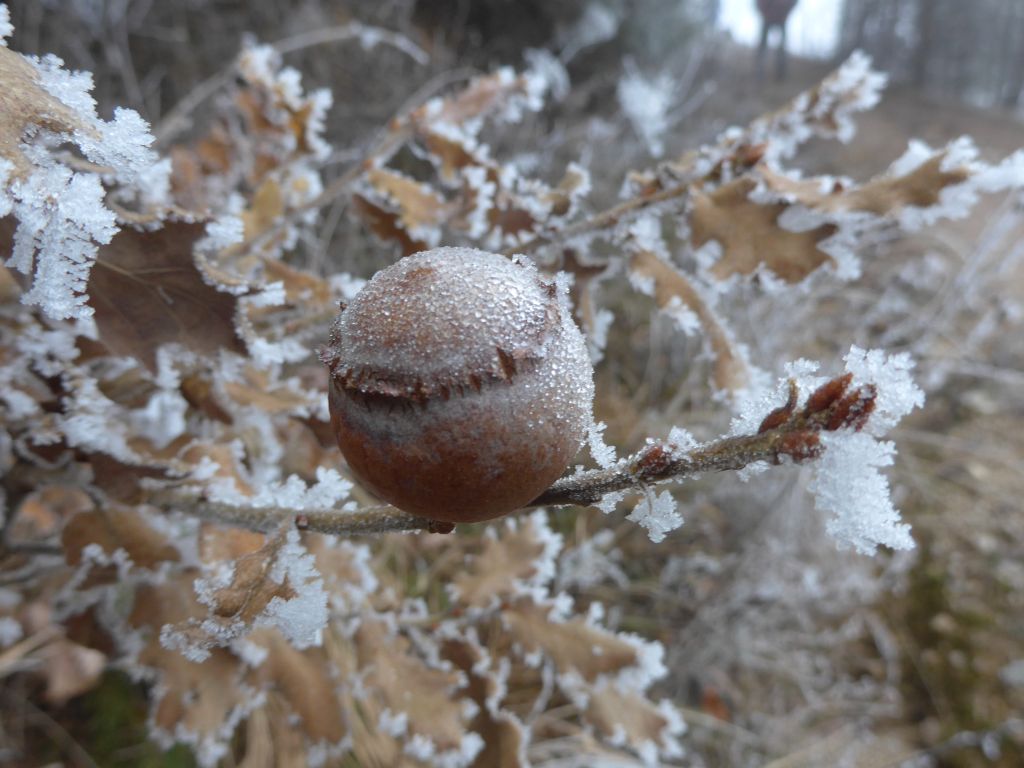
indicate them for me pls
(786, 435)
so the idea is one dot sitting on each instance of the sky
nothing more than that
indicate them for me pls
(811, 31)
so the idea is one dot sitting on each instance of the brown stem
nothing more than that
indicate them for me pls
(655, 463)
(659, 462)
(603, 220)
(785, 434)
(368, 520)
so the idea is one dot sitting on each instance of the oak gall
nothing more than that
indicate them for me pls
(460, 387)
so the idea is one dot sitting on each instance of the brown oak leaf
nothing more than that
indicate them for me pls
(25, 105)
(504, 560)
(148, 289)
(749, 234)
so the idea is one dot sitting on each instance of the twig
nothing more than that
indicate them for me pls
(785, 435)
(178, 118)
(658, 462)
(366, 521)
(367, 35)
(54, 730)
(603, 220)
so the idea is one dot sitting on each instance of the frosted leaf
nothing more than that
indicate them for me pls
(645, 234)
(657, 513)
(610, 501)
(222, 232)
(965, 175)
(122, 144)
(162, 419)
(93, 422)
(646, 102)
(260, 66)
(61, 214)
(61, 218)
(642, 283)
(520, 560)
(330, 489)
(848, 485)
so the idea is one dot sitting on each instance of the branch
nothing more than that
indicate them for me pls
(660, 461)
(177, 120)
(604, 220)
(366, 521)
(786, 435)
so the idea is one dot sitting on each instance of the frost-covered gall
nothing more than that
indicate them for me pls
(460, 387)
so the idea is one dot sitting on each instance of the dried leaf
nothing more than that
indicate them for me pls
(117, 527)
(418, 204)
(504, 562)
(256, 391)
(43, 512)
(451, 156)
(386, 224)
(220, 543)
(750, 236)
(191, 700)
(572, 645)
(148, 289)
(251, 589)
(223, 455)
(25, 106)
(482, 96)
(628, 717)
(301, 678)
(403, 683)
(70, 669)
(300, 287)
(883, 195)
(265, 209)
(503, 734)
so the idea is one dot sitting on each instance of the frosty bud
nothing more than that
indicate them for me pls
(460, 387)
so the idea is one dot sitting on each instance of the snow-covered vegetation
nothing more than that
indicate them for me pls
(173, 503)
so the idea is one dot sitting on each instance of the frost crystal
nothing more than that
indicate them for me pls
(657, 513)
(646, 102)
(848, 485)
(846, 480)
(603, 453)
(302, 618)
(897, 393)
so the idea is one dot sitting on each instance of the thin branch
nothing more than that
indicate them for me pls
(177, 120)
(659, 462)
(785, 435)
(365, 521)
(369, 36)
(604, 220)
